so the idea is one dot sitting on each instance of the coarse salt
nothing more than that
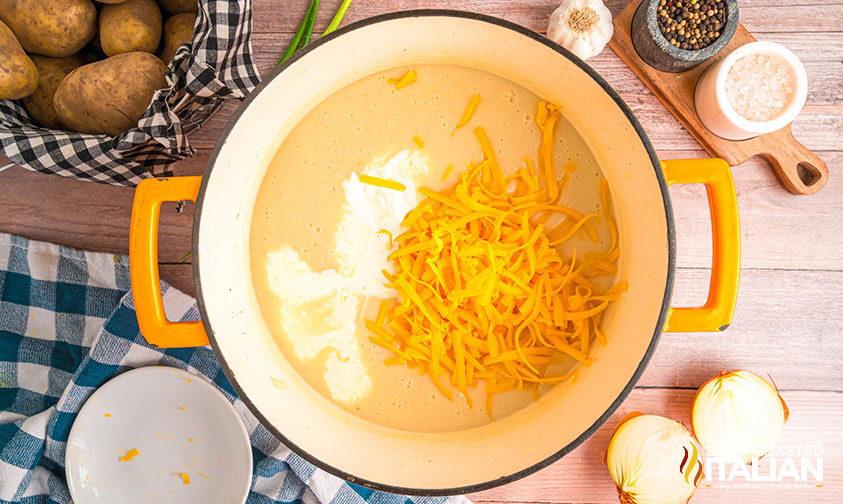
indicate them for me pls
(760, 86)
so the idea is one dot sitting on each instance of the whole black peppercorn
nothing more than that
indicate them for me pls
(690, 24)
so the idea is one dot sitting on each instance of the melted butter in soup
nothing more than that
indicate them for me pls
(317, 246)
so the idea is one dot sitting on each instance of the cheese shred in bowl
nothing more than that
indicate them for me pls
(134, 452)
(469, 111)
(485, 296)
(381, 182)
(408, 78)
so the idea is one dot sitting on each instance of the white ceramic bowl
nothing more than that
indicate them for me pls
(720, 117)
(179, 423)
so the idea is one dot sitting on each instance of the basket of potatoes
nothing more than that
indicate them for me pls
(107, 90)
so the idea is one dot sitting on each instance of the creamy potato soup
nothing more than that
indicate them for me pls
(320, 237)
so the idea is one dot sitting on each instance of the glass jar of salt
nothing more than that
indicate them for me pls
(758, 88)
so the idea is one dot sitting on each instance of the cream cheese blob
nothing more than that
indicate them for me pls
(319, 310)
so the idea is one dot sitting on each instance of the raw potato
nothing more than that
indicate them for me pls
(134, 25)
(178, 30)
(109, 96)
(179, 6)
(18, 74)
(56, 28)
(111, 1)
(51, 71)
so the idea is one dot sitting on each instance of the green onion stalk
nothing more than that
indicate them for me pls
(305, 31)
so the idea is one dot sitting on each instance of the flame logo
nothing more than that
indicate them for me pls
(686, 467)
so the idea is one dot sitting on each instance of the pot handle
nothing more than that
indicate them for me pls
(716, 314)
(143, 261)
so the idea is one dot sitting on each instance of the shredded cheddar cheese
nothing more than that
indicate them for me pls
(448, 171)
(185, 478)
(379, 182)
(108, 415)
(418, 141)
(546, 117)
(408, 78)
(200, 474)
(134, 452)
(485, 296)
(469, 111)
(388, 233)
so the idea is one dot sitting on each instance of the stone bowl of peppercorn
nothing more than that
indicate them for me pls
(677, 35)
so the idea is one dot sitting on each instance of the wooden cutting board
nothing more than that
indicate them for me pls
(799, 170)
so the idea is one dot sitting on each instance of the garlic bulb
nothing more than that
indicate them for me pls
(738, 414)
(654, 460)
(584, 27)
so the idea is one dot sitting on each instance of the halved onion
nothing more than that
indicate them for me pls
(738, 414)
(654, 460)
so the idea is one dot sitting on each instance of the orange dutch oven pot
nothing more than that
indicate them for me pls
(448, 462)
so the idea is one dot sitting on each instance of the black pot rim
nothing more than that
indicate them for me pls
(656, 331)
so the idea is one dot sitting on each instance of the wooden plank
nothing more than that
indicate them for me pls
(819, 46)
(83, 215)
(581, 477)
(777, 3)
(268, 19)
(818, 127)
(825, 73)
(779, 230)
(179, 276)
(808, 46)
(820, 17)
(759, 15)
(791, 340)
(787, 323)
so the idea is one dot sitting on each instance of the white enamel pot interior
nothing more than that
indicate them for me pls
(431, 463)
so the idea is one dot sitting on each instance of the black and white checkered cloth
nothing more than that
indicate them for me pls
(218, 65)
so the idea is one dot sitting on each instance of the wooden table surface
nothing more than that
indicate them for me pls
(789, 319)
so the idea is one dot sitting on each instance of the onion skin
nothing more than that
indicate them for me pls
(629, 416)
(695, 418)
(784, 404)
(625, 498)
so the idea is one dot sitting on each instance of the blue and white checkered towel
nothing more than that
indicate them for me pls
(68, 325)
